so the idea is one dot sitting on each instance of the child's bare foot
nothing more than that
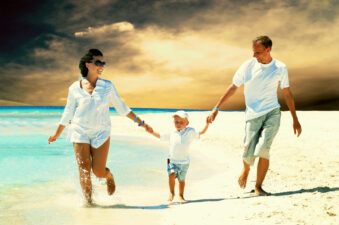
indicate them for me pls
(243, 179)
(260, 192)
(171, 197)
(181, 199)
(110, 184)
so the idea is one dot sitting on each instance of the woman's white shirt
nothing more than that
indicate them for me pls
(92, 110)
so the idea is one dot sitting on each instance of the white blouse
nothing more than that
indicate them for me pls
(92, 110)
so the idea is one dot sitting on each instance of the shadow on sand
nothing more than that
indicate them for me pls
(205, 200)
(317, 189)
(165, 206)
(301, 191)
(123, 206)
(155, 207)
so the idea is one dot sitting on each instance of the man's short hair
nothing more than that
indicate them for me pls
(264, 40)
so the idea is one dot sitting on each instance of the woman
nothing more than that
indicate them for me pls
(87, 113)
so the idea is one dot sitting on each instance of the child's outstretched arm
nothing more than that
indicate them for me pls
(205, 128)
(155, 134)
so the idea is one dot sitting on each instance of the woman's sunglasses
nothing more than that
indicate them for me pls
(98, 63)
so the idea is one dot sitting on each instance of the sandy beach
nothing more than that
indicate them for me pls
(303, 179)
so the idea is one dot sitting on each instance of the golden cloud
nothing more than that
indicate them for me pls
(115, 27)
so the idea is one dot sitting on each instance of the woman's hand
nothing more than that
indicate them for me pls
(148, 128)
(52, 138)
(57, 133)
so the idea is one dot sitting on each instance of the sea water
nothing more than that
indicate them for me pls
(26, 158)
(31, 170)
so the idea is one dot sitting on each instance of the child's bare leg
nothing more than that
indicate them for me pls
(82, 155)
(181, 191)
(171, 183)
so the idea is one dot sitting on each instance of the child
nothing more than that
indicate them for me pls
(179, 142)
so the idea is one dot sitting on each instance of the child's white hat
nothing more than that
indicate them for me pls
(181, 113)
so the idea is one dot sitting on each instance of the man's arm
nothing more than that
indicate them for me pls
(291, 106)
(229, 92)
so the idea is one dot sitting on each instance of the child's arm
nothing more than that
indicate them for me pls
(155, 134)
(205, 128)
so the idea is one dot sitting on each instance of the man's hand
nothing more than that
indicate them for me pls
(212, 116)
(297, 128)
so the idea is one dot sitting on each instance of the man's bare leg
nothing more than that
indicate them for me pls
(263, 165)
(244, 174)
(181, 191)
(171, 183)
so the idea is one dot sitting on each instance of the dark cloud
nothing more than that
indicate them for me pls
(40, 51)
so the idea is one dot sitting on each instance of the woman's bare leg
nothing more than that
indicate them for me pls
(83, 157)
(99, 159)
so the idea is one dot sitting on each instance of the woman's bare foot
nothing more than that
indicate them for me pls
(243, 179)
(88, 198)
(171, 197)
(181, 199)
(110, 184)
(260, 192)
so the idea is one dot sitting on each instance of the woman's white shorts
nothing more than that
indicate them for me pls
(79, 134)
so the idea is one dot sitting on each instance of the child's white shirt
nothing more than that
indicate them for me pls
(179, 143)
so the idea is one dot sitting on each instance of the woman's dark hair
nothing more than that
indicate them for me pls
(87, 58)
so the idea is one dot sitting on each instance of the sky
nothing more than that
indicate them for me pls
(167, 54)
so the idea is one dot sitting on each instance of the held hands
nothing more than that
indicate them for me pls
(212, 116)
(148, 128)
(208, 121)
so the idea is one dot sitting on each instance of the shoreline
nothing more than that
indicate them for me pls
(302, 179)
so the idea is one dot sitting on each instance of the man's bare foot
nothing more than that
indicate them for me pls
(181, 199)
(110, 184)
(260, 192)
(170, 197)
(243, 179)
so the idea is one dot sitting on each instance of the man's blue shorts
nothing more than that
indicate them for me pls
(260, 133)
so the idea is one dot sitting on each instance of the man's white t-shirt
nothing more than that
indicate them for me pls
(179, 142)
(261, 83)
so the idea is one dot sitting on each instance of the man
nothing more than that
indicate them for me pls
(261, 76)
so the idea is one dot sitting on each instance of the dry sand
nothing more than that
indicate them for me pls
(303, 176)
